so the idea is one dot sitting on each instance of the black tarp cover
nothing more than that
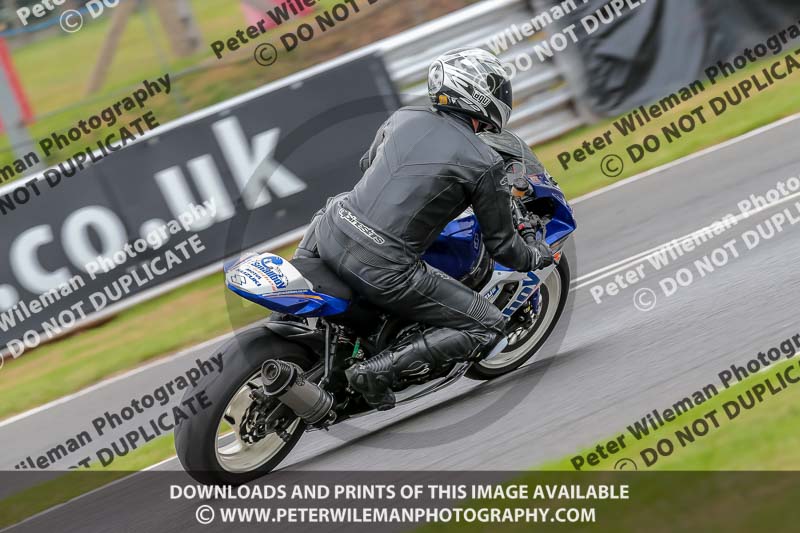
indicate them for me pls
(663, 45)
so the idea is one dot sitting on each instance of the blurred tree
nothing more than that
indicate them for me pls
(179, 24)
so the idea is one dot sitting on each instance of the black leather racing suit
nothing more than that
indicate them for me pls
(424, 168)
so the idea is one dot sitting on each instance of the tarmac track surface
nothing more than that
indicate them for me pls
(613, 365)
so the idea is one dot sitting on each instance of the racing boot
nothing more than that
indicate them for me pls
(417, 359)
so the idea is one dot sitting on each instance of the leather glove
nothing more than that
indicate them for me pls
(542, 255)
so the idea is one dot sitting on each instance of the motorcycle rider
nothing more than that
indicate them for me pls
(425, 167)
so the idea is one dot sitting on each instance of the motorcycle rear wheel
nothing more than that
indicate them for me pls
(213, 455)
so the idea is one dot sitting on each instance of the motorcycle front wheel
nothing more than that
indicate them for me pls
(525, 341)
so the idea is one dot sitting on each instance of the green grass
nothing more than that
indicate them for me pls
(143, 52)
(53, 83)
(758, 439)
(57, 89)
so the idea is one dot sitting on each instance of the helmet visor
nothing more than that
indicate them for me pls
(500, 87)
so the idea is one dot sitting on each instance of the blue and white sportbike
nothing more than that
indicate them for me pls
(286, 376)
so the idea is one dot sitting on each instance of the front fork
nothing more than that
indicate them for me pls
(535, 302)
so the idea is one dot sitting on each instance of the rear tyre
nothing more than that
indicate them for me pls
(208, 444)
(524, 343)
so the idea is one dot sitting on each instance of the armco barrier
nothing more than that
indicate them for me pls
(545, 104)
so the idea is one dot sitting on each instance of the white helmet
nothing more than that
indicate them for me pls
(472, 81)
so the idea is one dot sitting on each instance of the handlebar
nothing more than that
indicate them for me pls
(529, 236)
(527, 227)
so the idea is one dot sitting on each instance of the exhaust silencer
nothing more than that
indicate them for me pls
(285, 382)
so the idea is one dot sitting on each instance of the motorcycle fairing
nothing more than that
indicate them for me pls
(512, 148)
(308, 304)
(563, 222)
(457, 250)
(273, 282)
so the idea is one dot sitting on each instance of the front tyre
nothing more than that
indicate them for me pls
(525, 342)
(210, 444)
